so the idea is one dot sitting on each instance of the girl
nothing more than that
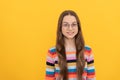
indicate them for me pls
(70, 58)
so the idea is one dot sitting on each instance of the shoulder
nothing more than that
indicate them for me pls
(88, 50)
(88, 47)
(89, 56)
(52, 50)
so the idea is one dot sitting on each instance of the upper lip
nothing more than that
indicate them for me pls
(69, 32)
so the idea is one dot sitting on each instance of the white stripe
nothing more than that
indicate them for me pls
(49, 70)
(91, 67)
(57, 68)
(71, 67)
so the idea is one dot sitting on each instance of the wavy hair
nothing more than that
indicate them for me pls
(60, 48)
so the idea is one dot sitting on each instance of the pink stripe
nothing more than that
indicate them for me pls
(50, 61)
(89, 59)
(71, 58)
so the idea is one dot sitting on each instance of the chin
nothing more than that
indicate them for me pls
(70, 37)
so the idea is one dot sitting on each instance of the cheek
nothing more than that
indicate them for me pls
(76, 30)
(63, 30)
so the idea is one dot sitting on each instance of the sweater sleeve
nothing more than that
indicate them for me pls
(50, 67)
(90, 66)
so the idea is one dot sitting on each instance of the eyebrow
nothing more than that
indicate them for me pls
(72, 22)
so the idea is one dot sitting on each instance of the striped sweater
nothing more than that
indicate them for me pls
(52, 68)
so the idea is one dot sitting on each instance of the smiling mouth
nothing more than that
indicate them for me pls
(70, 33)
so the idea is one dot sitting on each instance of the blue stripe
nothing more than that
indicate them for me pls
(49, 73)
(87, 48)
(69, 70)
(57, 71)
(53, 50)
(92, 70)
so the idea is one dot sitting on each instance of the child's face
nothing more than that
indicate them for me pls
(69, 26)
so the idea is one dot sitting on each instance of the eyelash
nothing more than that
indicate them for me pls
(74, 24)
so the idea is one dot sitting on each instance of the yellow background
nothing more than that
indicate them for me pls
(28, 30)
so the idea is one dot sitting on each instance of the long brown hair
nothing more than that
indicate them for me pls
(60, 48)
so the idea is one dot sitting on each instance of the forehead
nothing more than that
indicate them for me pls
(69, 19)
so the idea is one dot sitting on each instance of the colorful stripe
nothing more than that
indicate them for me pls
(52, 68)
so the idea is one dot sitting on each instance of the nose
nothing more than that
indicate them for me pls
(70, 27)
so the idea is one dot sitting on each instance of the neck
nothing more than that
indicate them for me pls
(69, 44)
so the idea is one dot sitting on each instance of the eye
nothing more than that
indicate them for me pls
(74, 24)
(65, 25)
